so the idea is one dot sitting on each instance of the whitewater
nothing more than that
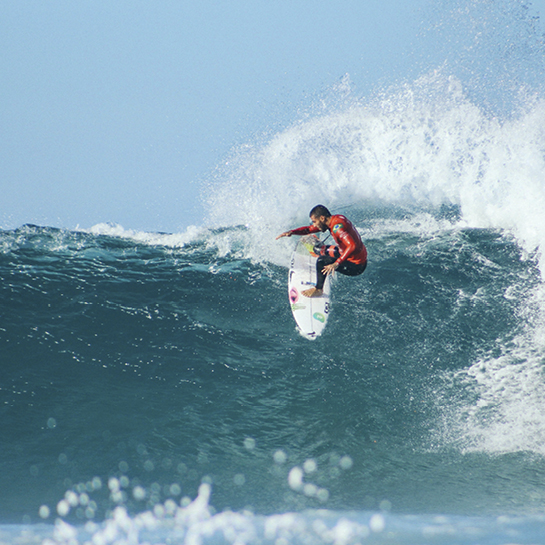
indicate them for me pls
(154, 388)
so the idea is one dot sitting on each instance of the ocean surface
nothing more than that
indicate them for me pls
(154, 387)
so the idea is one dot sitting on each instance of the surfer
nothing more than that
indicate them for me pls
(349, 257)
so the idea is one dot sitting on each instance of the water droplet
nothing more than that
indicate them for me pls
(377, 523)
(346, 462)
(139, 493)
(280, 457)
(295, 478)
(249, 443)
(63, 508)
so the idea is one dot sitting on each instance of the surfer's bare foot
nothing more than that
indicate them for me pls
(312, 292)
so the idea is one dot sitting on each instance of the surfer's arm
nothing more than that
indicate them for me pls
(299, 231)
(306, 230)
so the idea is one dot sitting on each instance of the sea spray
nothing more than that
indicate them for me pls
(421, 147)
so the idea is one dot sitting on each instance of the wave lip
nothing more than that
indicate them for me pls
(154, 239)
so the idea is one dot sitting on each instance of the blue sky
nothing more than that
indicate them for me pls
(118, 111)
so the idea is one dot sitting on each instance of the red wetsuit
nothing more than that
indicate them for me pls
(345, 235)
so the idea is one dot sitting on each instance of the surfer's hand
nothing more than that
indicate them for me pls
(286, 234)
(330, 269)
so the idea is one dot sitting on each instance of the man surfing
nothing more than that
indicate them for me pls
(349, 257)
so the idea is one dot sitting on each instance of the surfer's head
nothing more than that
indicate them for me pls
(319, 216)
(320, 210)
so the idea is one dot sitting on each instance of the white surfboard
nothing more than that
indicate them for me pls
(310, 313)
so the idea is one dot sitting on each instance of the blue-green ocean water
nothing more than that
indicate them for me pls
(164, 364)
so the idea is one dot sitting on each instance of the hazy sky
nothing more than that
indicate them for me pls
(116, 111)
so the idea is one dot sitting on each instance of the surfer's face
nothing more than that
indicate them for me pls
(319, 222)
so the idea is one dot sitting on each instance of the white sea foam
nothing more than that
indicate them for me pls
(196, 523)
(501, 406)
(175, 240)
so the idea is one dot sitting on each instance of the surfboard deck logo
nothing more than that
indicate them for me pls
(310, 313)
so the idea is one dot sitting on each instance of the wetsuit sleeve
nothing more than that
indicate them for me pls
(348, 241)
(305, 230)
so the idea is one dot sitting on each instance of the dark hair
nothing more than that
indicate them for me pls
(320, 210)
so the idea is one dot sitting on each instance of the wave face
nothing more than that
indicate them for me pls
(164, 362)
(154, 386)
